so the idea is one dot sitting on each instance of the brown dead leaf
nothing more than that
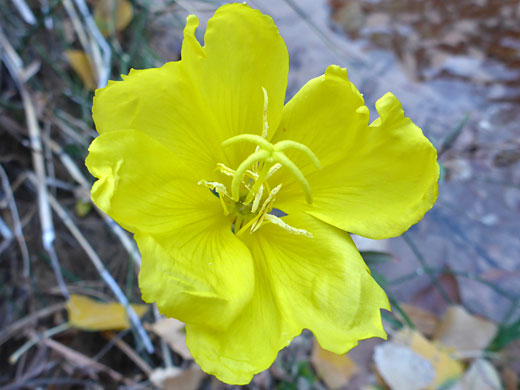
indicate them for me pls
(425, 321)
(172, 331)
(445, 367)
(79, 61)
(511, 354)
(431, 299)
(335, 370)
(113, 15)
(173, 378)
(465, 332)
(510, 379)
(88, 314)
(350, 16)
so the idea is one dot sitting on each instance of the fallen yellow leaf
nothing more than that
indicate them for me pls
(335, 370)
(465, 332)
(446, 368)
(88, 314)
(113, 15)
(79, 61)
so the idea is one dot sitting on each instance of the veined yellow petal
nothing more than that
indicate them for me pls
(245, 296)
(251, 342)
(143, 186)
(376, 180)
(321, 283)
(212, 94)
(199, 273)
(164, 104)
(321, 116)
(243, 55)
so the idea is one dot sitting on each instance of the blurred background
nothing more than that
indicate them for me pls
(67, 272)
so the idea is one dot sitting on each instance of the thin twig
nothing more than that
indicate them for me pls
(426, 267)
(68, 163)
(76, 174)
(15, 67)
(17, 225)
(47, 155)
(25, 11)
(467, 275)
(91, 50)
(49, 23)
(15, 327)
(42, 366)
(80, 360)
(105, 275)
(165, 350)
(106, 52)
(36, 339)
(94, 44)
(128, 351)
(8, 235)
(82, 139)
(72, 121)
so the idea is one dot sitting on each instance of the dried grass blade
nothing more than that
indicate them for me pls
(128, 351)
(25, 11)
(105, 275)
(17, 225)
(15, 67)
(81, 360)
(76, 174)
(15, 327)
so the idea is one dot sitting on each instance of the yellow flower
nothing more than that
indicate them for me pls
(240, 205)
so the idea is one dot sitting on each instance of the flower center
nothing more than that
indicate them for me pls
(252, 197)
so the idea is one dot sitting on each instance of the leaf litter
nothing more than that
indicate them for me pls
(447, 340)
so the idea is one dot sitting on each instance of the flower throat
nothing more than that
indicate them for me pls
(252, 198)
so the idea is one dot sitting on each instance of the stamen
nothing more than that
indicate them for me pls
(286, 144)
(214, 185)
(252, 175)
(256, 222)
(273, 169)
(225, 170)
(258, 197)
(271, 154)
(259, 180)
(266, 207)
(238, 223)
(278, 221)
(221, 191)
(240, 172)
